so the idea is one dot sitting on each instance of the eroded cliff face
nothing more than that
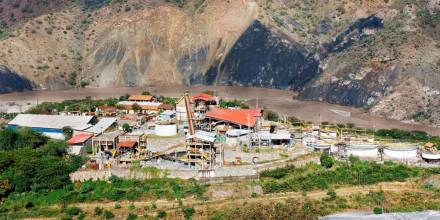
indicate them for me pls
(364, 54)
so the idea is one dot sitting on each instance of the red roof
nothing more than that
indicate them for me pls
(203, 97)
(236, 116)
(129, 144)
(79, 139)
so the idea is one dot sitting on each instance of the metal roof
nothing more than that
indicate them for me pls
(266, 135)
(237, 116)
(102, 125)
(204, 136)
(79, 123)
(79, 139)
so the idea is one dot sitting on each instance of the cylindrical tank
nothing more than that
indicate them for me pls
(362, 150)
(322, 147)
(165, 130)
(401, 152)
(430, 156)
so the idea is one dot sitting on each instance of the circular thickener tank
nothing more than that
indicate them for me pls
(362, 150)
(166, 130)
(401, 152)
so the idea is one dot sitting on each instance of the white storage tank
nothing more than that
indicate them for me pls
(165, 130)
(322, 147)
(401, 151)
(362, 150)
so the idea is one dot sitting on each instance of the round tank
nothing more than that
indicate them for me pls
(322, 147)
(401, 152)
(430, 156)
(166, 130)
(362, 150)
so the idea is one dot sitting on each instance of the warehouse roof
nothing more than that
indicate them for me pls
(102, 125)
(79, 139)
(79, 123)
(237, 116)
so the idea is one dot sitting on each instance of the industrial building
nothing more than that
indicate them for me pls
(52, 125)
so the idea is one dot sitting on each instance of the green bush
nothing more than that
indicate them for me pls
(118, 205)
(131, 216)
(233, 104)
(188, 212)
(161, 214)
(326, 160)
(377, 210)
(73, 211)
(271, 116)
(108, 214)
(98, 211)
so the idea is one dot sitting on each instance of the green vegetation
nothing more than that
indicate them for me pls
(179, 3)
(233, 104)
(354, 172)
(71, 105)
(114, 190)
(188, 212)
(271, 115)
(4, 30)
(67, 132)
(167, 100)
(30, 163)
(326, 160)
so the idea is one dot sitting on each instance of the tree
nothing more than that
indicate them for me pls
(271, 116)
(161, 214)
(136, 107)
(67, 132)
(146, 93)
(54, 148)
(126, 127)
(326, 160)
(8, 137)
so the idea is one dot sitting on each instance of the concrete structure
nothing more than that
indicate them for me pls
(401, 151)
(266, 138)
(52, 125)
(362, 150)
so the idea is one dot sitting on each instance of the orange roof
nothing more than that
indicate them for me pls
(79, 139)
(129, 144)
(107, 108)
(203, 97)
(236, 116)
(140, 98)
(166, 107)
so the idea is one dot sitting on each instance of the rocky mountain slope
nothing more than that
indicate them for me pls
(383, 55)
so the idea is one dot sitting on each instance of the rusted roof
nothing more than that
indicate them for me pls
(166, 107)
(203, 97)
(79, 139)
(129, 144)
(107, 108)
(140, 98)
(237, 116)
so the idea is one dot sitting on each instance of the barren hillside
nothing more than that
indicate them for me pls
(382, 55)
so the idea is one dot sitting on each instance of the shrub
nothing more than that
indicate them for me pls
(161, 214)
(98, 211)
(326, 160)
(188, 212)
(271, 116)
(73, 211)
(118, 205)
(131, 216)
(108, 214)
(377, 210)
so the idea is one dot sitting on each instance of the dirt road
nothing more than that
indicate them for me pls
(281, 101)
